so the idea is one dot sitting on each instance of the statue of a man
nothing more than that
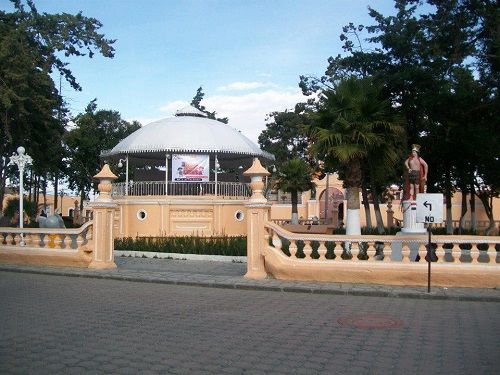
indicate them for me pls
(416, 174)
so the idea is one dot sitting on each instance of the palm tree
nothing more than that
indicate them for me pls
(353, 127)
(294, 176)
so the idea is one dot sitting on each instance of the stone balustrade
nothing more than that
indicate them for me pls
(458, 261)
(447, 249)
(54, 246)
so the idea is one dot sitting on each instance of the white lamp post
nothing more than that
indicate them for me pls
(120, 165)
(21, 160)
(274, 171)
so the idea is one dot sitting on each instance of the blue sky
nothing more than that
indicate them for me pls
(247, 55)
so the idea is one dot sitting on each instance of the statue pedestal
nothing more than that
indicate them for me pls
(410, 226)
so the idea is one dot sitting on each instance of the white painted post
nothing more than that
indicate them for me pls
(21, 160)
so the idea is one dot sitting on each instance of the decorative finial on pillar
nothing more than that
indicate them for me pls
(256, 172)
(105, 177)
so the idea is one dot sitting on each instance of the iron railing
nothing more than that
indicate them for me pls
(158, 188)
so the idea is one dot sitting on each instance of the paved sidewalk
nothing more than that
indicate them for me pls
(230, 275)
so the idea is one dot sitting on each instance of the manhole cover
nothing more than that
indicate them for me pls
(370, 321)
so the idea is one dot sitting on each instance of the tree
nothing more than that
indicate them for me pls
(284, 136)
(349, 127)
(196, 102)
(95, 131)
(420, 55)
(294, 176)
(32, 46)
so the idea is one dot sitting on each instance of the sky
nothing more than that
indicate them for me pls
(247, 55)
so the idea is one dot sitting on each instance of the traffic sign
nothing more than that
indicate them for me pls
(429, 208)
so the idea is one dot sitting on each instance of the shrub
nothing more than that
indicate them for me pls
(12, 206)
(224, 245)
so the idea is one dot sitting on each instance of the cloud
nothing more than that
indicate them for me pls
(171, 107)
(246, 112)
(246, 86)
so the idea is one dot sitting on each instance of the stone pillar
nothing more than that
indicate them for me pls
(103, 212)
(257, 215)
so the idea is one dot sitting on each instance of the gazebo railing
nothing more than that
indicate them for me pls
(158, 188)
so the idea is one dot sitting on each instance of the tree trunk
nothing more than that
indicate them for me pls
(38, 180)
(44, 192)
(353, 225)
(448, 195)
(3, 179)
(82, 198)
(295, 214)
(449, 218)
(376, 205)
(473, 217)
(31, 194)
(56, 183)
(366, 205)
(487, 201)
(463, 212)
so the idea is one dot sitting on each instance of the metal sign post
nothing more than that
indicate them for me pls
(429, 211)
(429, 259)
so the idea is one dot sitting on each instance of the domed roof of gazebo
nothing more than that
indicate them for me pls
(190, 131)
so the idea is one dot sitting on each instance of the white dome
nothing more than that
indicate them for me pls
(188, 133)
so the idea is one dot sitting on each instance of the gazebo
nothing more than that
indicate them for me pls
(188, 154)
(183, 176)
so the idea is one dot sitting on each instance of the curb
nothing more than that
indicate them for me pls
(179, 256)
(268, 285)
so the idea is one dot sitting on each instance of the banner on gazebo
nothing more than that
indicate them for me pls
(190, 167)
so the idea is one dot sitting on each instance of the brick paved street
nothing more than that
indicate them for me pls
(71, 325)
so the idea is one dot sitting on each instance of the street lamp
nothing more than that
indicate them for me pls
(274, 171)
(21, 159)
(62, 196)
(120, 165)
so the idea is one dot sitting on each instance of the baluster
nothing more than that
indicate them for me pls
(307, 249)
(267, 236)
(63, 244)
(440, 253)
(27, 239)
(492, 253)
(16, 239)
(422, 250)
(354, 251)
(277, 241)
(338, 250)
(80, 239)
(292, 249)
(57, 241)
(370, 251)
(90, 233)
(456, 252)
(387, 251)
(322, 250)
(405, 252)
(51, 242)
(474, 253)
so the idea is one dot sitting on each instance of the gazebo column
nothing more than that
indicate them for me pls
(167, 157)
(126, 175)
(216, 172)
